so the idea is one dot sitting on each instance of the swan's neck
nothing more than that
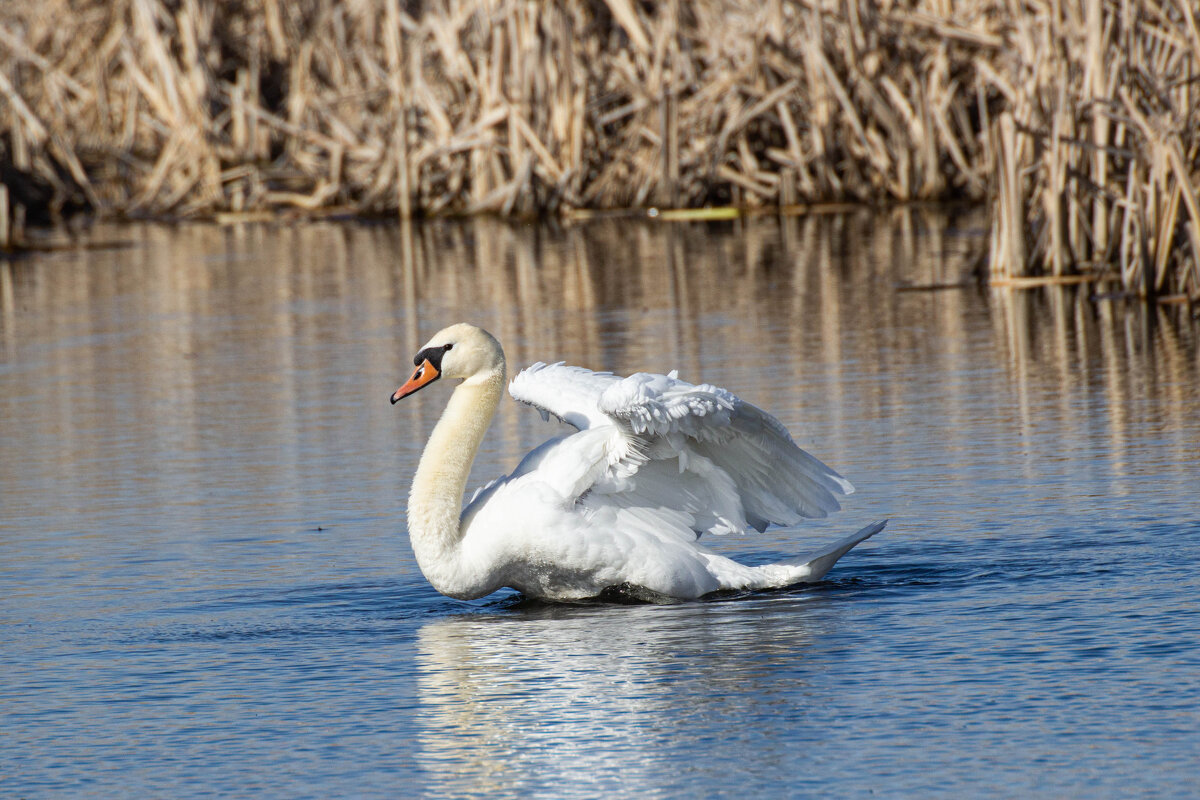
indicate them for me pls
(435, 503)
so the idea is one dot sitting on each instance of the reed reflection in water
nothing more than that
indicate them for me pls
(203, 511)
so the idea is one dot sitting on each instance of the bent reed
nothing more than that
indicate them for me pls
(1077, 121)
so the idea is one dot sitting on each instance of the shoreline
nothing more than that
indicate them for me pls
(1100, 283)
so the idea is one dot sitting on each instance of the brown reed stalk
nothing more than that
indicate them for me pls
(1076, 120)
(1108, 104)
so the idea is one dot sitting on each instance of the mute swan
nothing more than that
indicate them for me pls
(617, 505)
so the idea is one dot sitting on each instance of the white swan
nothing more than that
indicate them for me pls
(617, 505)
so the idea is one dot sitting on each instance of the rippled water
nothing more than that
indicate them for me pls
(206, 587)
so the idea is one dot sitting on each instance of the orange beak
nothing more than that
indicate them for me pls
(423, 375)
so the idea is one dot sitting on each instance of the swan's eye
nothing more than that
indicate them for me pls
(447, 347)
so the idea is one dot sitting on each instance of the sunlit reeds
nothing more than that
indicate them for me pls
(1077, 120)
(1096, 145)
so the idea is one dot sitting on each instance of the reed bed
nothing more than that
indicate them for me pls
(1077, 121)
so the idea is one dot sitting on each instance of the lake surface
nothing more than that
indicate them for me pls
(206, 587)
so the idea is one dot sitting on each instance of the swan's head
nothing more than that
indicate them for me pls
(460, 351)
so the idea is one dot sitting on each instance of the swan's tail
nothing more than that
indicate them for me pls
(804, 569)
(814, 565)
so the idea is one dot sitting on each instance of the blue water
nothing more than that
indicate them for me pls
(206, 588)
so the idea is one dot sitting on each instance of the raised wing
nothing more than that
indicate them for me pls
(672, 445)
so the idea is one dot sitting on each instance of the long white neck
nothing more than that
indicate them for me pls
(435, 502)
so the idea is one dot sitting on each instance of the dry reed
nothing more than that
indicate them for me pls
(1077, 120)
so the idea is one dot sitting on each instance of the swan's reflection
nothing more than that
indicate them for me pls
(567, 692)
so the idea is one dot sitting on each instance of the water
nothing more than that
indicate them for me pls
(206, 588)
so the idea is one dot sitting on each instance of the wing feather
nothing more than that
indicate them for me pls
(569, 393)
(688, 451)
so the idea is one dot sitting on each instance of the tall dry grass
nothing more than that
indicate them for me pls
(1077, 120)
(1096, 143)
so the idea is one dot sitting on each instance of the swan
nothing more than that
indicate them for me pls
(618, 505)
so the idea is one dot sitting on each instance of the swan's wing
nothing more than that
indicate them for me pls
(779, 483)
(776, 481)
(667, 444)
